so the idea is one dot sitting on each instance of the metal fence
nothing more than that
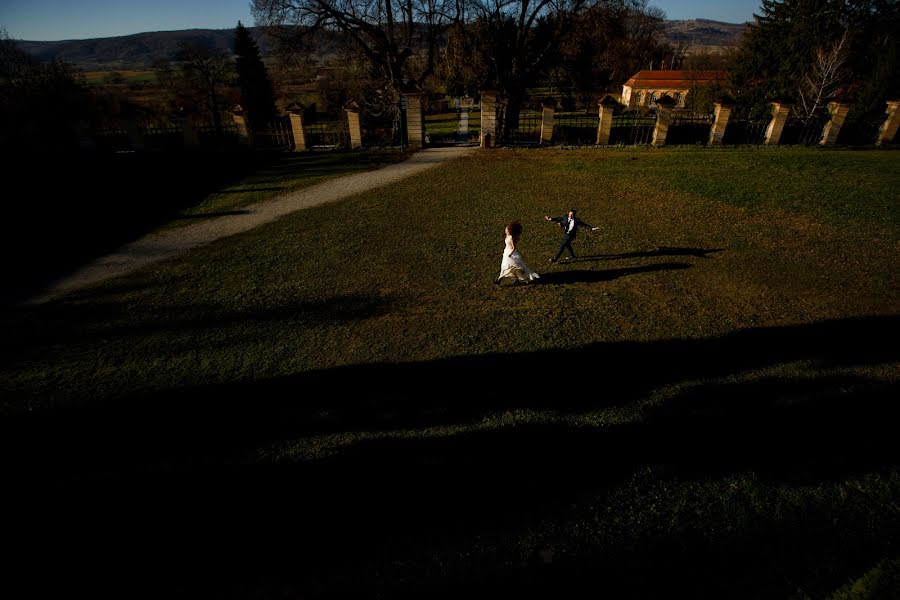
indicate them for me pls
(207, 135)
(162, 136)
(276, 135)
(381, 131)
(689, 128)
(746, 126)
(528, 129)
(324, 135)
(805, 132)
(575, 128)
(862, 131)
(632, 127)
(113, 139)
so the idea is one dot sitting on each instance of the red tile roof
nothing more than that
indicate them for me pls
(673, 79)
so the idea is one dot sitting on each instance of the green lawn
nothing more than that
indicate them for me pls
(703, 404)
(104, 77)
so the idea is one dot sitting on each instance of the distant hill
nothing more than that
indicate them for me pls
(141, 50)
(134, 52)
(703, 32)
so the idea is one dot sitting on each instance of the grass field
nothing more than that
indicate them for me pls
(703, 404)
(104, 77)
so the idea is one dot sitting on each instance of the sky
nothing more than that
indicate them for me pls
(51, 20)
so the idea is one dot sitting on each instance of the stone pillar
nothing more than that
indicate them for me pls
(888, 130)
(295, 114)
(780, 112)
(188, 131)
(547, 115)
(722, 112)
(663, 119)
(488, 118)
(415, 120)
(353, 122)
(135, 134)
(833, 127)
(240, 121)
(608, 106)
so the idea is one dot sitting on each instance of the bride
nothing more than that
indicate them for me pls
(513, 266)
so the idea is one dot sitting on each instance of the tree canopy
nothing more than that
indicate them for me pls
(257, 96)
(790, 39)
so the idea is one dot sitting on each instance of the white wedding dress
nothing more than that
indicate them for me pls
(513, 265)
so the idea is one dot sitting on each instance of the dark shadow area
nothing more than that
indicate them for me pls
(164, 487)
(212, 215)
(256, 189)
(660, 251)
(582, 276)
(73, 322)
(64, 210)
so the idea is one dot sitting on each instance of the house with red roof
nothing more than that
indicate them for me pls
(646, 86)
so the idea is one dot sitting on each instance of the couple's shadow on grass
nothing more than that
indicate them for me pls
(593, 276)
(659, 251)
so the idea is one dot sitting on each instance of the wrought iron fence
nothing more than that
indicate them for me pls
(689, 128)
(327, 134)
(528, 129)
(575, 128)
(381, 131)
(277, 134)
(113, 139)
(746, 126)
(804, 132)
(862, 131)
(632, 127)
(162, 136)
(207, 135)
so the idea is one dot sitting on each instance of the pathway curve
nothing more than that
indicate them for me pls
(170, 243)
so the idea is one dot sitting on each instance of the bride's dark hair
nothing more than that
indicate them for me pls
(515, 229)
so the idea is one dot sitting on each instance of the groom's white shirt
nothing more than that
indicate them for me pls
(571, 225)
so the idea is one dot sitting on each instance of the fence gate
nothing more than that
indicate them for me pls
(862, 131)
(631, 127)
(806, 132)
(527, 131)
(575, 128)
(689, 128)
(382, 130)
(276, 135)
(746, 126)
(326, 135)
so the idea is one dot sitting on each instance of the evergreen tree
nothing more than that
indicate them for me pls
(257, 96)
(780, 49)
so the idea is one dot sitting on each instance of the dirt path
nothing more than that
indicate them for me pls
(167, 244)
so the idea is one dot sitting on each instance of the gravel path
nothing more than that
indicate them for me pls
(166, 244)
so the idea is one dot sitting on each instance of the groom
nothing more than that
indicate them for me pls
(570, 225)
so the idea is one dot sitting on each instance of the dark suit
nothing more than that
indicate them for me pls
(565, 222)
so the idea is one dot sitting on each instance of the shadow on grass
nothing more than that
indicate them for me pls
(94, 202)
(76, 321)
(582, 276)
(374, 513)
(661, 251)
(119, 198)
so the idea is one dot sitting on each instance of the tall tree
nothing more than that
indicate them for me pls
(781, 48)
(205, 74)
(257, 96)
(388, 32)
(40, 103)
(521, 41)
